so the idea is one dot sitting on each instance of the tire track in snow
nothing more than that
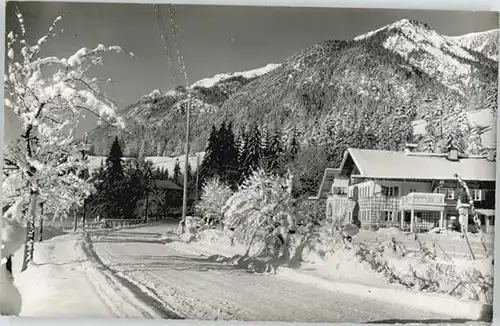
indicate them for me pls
(201, 289)
(141, 295)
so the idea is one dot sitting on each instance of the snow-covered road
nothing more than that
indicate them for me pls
(193, 287)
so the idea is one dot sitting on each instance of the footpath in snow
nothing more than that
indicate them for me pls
(63, 281)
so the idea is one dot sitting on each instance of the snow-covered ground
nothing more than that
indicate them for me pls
(148, 272)
(65, 282)
(201, 288)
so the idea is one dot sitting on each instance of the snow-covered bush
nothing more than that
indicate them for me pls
(263, 207)
(49, 96)
(420, 273)
(215, 194)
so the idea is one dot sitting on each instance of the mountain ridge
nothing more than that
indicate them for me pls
(402, 64)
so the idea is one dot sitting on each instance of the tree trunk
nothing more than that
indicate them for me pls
(40, 236)
(75, 222)
(29, 245)
(84, 213)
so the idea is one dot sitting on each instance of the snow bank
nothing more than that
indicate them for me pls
(55, 283)
(12, 234)
(62, 274)
(457, 309)
(374, 264)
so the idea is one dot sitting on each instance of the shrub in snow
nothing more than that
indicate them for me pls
(262, 207)
(215, 194)
(429, 275)
(50, 95)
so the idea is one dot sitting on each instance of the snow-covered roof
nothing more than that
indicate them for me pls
(379, 164)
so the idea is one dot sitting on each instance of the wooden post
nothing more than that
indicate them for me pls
(412, 221)
(147, 204)
(402, 219)
(441, 219)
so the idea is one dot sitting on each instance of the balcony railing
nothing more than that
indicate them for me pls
(422, 199)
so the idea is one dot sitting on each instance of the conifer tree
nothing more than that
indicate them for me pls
(189, 172)
(210, 164)
(293, 146)
(177, 172)
(114, 163)
(275, 153)
(231, 154)
(252, 150)
(112, 183)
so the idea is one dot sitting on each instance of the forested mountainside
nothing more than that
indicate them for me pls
(362, 92)
(482, 42)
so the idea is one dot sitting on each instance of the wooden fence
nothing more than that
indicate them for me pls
(112, 223)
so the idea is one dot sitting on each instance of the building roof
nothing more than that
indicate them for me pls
(418, 166)
(166, 184)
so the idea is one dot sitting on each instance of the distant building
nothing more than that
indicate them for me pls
(412, 190)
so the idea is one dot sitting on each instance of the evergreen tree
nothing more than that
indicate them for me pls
(177, 172)
(210, 164)
(266, 149)
(230, 154)
(114, 162)
(112, 183)
(252, 150)
(189, 172)
(293, 146)
(274, 152)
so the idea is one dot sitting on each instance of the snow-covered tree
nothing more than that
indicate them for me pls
(50, 95)
(215, 194)
(263, 200)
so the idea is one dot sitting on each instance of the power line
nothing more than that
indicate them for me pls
(164, 38)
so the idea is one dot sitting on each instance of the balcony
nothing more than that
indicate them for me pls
(423, 201)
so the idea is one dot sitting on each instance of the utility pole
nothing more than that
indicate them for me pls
(186, 163)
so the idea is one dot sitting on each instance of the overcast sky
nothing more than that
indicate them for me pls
(213, 39)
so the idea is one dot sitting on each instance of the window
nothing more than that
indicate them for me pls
(477, 194)
(387, 216)
(390, 191)
(450, 194)
(351, 192)
(412, 190)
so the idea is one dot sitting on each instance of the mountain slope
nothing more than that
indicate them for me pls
(402, 64)
(398, 68)
(157, 120)
(485, 43)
